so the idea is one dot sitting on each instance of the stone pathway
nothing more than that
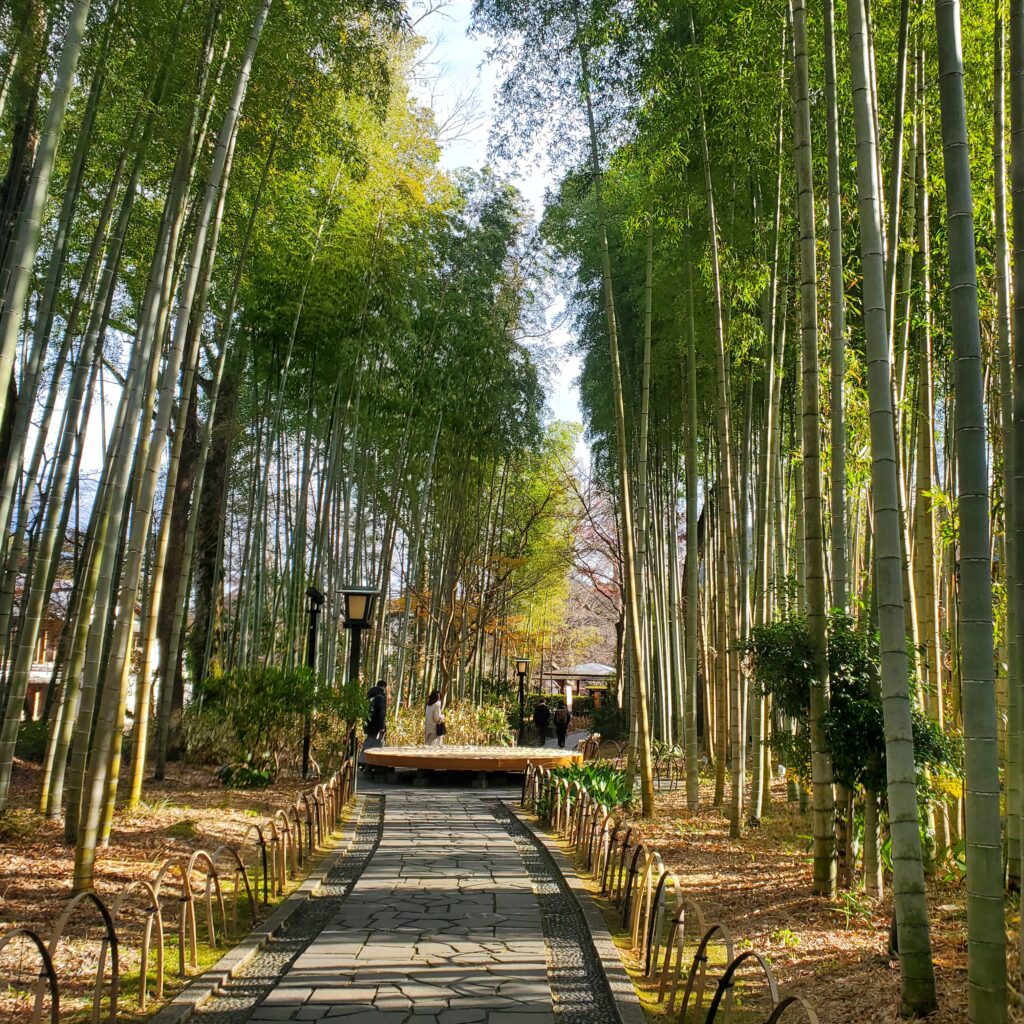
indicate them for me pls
(571, 740)
(458, 917)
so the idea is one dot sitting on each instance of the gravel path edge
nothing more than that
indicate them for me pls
(627, 1002)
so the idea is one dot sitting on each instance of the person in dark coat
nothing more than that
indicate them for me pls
(541, 720)
(376, 719)
(562, 720)
(375, 723)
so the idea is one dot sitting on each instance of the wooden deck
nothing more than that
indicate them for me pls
(469, 759)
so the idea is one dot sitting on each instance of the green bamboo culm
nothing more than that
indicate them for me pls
(986, 936)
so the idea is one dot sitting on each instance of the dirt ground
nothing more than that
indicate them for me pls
(187, 811)
(833, 953)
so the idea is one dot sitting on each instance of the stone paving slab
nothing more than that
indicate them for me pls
(443, 927)
(445, 910)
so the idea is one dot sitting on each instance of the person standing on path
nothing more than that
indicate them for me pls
(376, 720)
(541, 720)
(434, 727)
(562, 720)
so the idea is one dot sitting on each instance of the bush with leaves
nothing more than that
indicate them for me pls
(32, 739)
(607, 784)
(583, 704)
(466, 724)
(251, 773)
(783, 668)
(610, 720)
(257, 716)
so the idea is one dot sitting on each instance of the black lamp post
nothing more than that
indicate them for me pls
(316, 602)
(522, 670)
(358, 613)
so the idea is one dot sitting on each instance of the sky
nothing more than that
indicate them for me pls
(459, 64)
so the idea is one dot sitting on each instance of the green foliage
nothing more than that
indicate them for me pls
(583, 704)
(610, 720)
(854, 727)
(466, 724)
(18, 825)
(853, 905)
(254, 772)
(32, 740)
(255, 716)
(601, 779)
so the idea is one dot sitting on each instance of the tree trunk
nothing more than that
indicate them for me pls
(26, 236)
(630, 575)
(814, 533)
(918, 976)
(837, 321)
(986, 934)
(692, 554)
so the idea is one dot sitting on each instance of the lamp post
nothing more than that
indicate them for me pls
(522, 670)
(358, 612)
(316, 602)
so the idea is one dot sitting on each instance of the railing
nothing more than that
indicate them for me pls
(694, 963)
(182, 895)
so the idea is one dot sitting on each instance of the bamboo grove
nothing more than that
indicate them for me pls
(255, 341)
(794, 235)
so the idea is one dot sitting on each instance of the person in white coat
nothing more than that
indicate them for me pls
(434, 724)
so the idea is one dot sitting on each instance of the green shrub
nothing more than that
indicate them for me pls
(854, 727)
(583, 704)
(255, 772)
(601, 779)
(610, 720)
(32, 740)
(261, 712)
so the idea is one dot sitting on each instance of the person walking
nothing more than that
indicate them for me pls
(376, 720)
(434, 727)
(541, 720)
(562, 720)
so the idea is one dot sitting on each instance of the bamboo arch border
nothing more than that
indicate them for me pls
(323, 808)
(696, 980)
(154, 924)
(674, 949)
(107, 944)
(810, 1017)
(640, 892)
(237, 865)
(726, 984)
(650, 949)
(47, 970)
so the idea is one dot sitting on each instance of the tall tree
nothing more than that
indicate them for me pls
(814, 531)
(918, 975)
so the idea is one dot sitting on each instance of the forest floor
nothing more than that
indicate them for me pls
(833, 953)
(187, 811)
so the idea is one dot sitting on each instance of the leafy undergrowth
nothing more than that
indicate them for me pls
(185, 812)
(832, 953)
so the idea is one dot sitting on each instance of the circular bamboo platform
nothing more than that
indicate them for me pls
(469, 759)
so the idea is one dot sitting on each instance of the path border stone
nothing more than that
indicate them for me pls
(627, 1002)
(206, 986)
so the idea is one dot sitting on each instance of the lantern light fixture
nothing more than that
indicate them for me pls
(358, 606)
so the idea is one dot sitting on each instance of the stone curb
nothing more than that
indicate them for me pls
(627, 1002)
(205, 986)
